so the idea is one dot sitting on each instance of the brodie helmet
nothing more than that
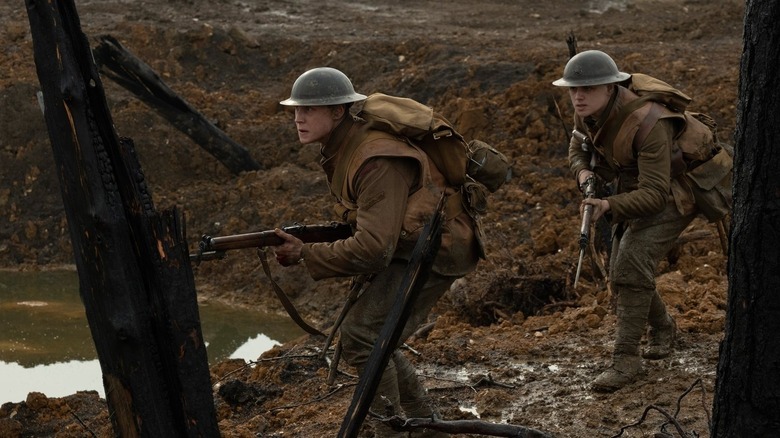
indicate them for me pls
(591, 67)
(322, 86)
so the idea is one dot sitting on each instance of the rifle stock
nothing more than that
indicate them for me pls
(210, 248)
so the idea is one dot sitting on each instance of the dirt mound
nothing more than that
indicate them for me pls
(513, 342)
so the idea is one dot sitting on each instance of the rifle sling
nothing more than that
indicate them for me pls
(288, 305)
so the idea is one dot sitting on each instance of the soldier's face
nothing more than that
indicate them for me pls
(590, 101)
(315, 123)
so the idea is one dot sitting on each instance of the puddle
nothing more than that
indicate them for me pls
(46, 345)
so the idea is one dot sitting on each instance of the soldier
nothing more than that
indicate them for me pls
(387, 190)
(632, 144)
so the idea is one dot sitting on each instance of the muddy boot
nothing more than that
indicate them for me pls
(661, 340)
(414, 398)
(387, 403)
(624, 370)
(632, 310)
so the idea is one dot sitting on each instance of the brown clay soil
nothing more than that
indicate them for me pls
(513, 342)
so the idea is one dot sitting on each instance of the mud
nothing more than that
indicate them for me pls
(513, 342)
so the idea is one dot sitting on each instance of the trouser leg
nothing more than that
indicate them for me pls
(632, 309)
(657, 315)
(362, 325)
(635, 256)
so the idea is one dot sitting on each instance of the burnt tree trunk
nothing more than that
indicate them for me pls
(747, 393)
(124, 68)
(134, 275)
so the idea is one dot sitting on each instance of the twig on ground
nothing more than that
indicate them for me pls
(483, 381)
(82, 423)
(672, 419)
(641, 420)
(463, 427)
(559, 304)
(314, 400)
(423, 331)
(406, 346)
(700, 384)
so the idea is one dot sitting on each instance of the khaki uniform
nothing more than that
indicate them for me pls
(388, 191)
(644, 213)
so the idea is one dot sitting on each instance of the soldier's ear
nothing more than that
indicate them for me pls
(338, 111)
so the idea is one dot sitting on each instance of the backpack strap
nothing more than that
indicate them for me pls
(612, 127)
(677, 161)
(647, 125)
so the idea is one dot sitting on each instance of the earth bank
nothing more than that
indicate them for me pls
(514, 341)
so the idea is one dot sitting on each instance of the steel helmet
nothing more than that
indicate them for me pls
(320, 87)
(591, 67)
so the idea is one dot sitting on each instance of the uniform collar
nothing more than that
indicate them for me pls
(332, 145)
(329, 152)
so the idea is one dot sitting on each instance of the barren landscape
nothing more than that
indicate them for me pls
(513, 342)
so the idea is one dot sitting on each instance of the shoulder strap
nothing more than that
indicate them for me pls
(612, 127)
(647, 125)
(678, 164)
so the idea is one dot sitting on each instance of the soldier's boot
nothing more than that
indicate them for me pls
(662, 330)
(632, 311)
(387, 403)
(661, 340)
(624, 370)
(414, 398)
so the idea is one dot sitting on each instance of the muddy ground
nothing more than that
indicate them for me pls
(513, 342)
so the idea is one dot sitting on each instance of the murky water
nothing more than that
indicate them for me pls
(46, 346)
(601, 6)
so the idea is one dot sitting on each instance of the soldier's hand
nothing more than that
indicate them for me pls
(289, 253)
(600, 207)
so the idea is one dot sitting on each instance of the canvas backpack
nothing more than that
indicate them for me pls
(459, 161)
(705, 162)
(697, 139)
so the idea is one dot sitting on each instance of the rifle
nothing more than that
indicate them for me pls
(589, 189)
(210, 248)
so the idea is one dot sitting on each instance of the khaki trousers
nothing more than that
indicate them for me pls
(399, 383)
(637, 249)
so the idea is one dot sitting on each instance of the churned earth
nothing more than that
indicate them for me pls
(513, 342)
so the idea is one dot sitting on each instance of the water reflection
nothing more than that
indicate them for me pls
(46, 346)
(54, 380)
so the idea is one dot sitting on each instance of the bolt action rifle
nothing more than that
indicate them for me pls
(589, 190)
(210, 248)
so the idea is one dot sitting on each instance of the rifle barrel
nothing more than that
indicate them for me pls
(579, 267)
